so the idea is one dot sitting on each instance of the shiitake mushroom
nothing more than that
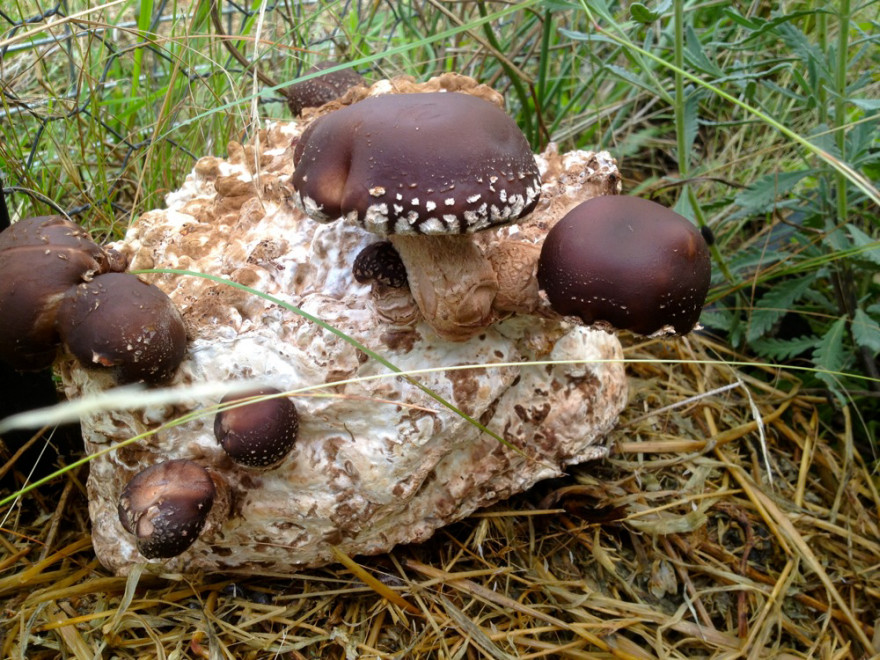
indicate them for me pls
(166, 506)
(40, 259)
(627, 262)
(120, 323)
(258, 434)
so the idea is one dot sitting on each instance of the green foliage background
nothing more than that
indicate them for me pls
(758, 121)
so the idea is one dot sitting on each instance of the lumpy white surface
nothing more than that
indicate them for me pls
(378, 462)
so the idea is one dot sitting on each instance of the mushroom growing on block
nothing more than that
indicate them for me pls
(376, 462)
(426, 171)
(321, 89)
(166, 506)
(257, 434)
(627, 262)
(119, 323)
(40, 259)
(379, 262)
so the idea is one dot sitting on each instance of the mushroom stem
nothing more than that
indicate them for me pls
(451, 280)
(515, 264)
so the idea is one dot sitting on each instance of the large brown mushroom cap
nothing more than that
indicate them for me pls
(40, 259)
(626, 261)
(432, 163)
(423, 169)
(123, 324)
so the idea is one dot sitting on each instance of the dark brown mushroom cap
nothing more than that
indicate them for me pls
(430, 163)
(258, 434)
(322, 89)
(121, 323)
(380, 262)
(40, 259)
(165, 506)
(627, 261)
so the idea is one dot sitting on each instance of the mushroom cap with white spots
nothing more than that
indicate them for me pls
(428, 163)
(628, 262)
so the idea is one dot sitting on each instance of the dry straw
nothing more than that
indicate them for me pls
(731, 521)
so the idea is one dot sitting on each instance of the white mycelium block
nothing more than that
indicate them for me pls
(377, 461)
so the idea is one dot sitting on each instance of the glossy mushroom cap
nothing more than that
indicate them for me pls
(258, 434)
(40, 259)
(626, 261)
(322, 89)
(380, 262)
(121, 323)
(166, 506)
(431, 163)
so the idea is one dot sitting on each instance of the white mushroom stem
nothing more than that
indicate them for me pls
(452, 282)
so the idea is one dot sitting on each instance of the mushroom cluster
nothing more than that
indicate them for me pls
(367, 460)
(428, 171)
(57, 286)
(487, 253)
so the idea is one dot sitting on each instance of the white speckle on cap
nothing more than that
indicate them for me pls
(433, 226)
(377, 191)
(473, 199)
(376, 219)
(311, 208)
(430, 206)
(449, 201)
(407, 224)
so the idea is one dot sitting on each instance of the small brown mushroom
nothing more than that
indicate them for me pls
(628, 262)
(258, 434)
(380, 262)
(123, 324)
(322, 89)
(166, 506)
(426, 170)
(40, 259)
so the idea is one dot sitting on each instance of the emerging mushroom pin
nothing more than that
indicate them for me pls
(321, 89)
(426, 170)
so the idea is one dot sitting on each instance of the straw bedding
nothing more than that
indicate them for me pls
(732, 520)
